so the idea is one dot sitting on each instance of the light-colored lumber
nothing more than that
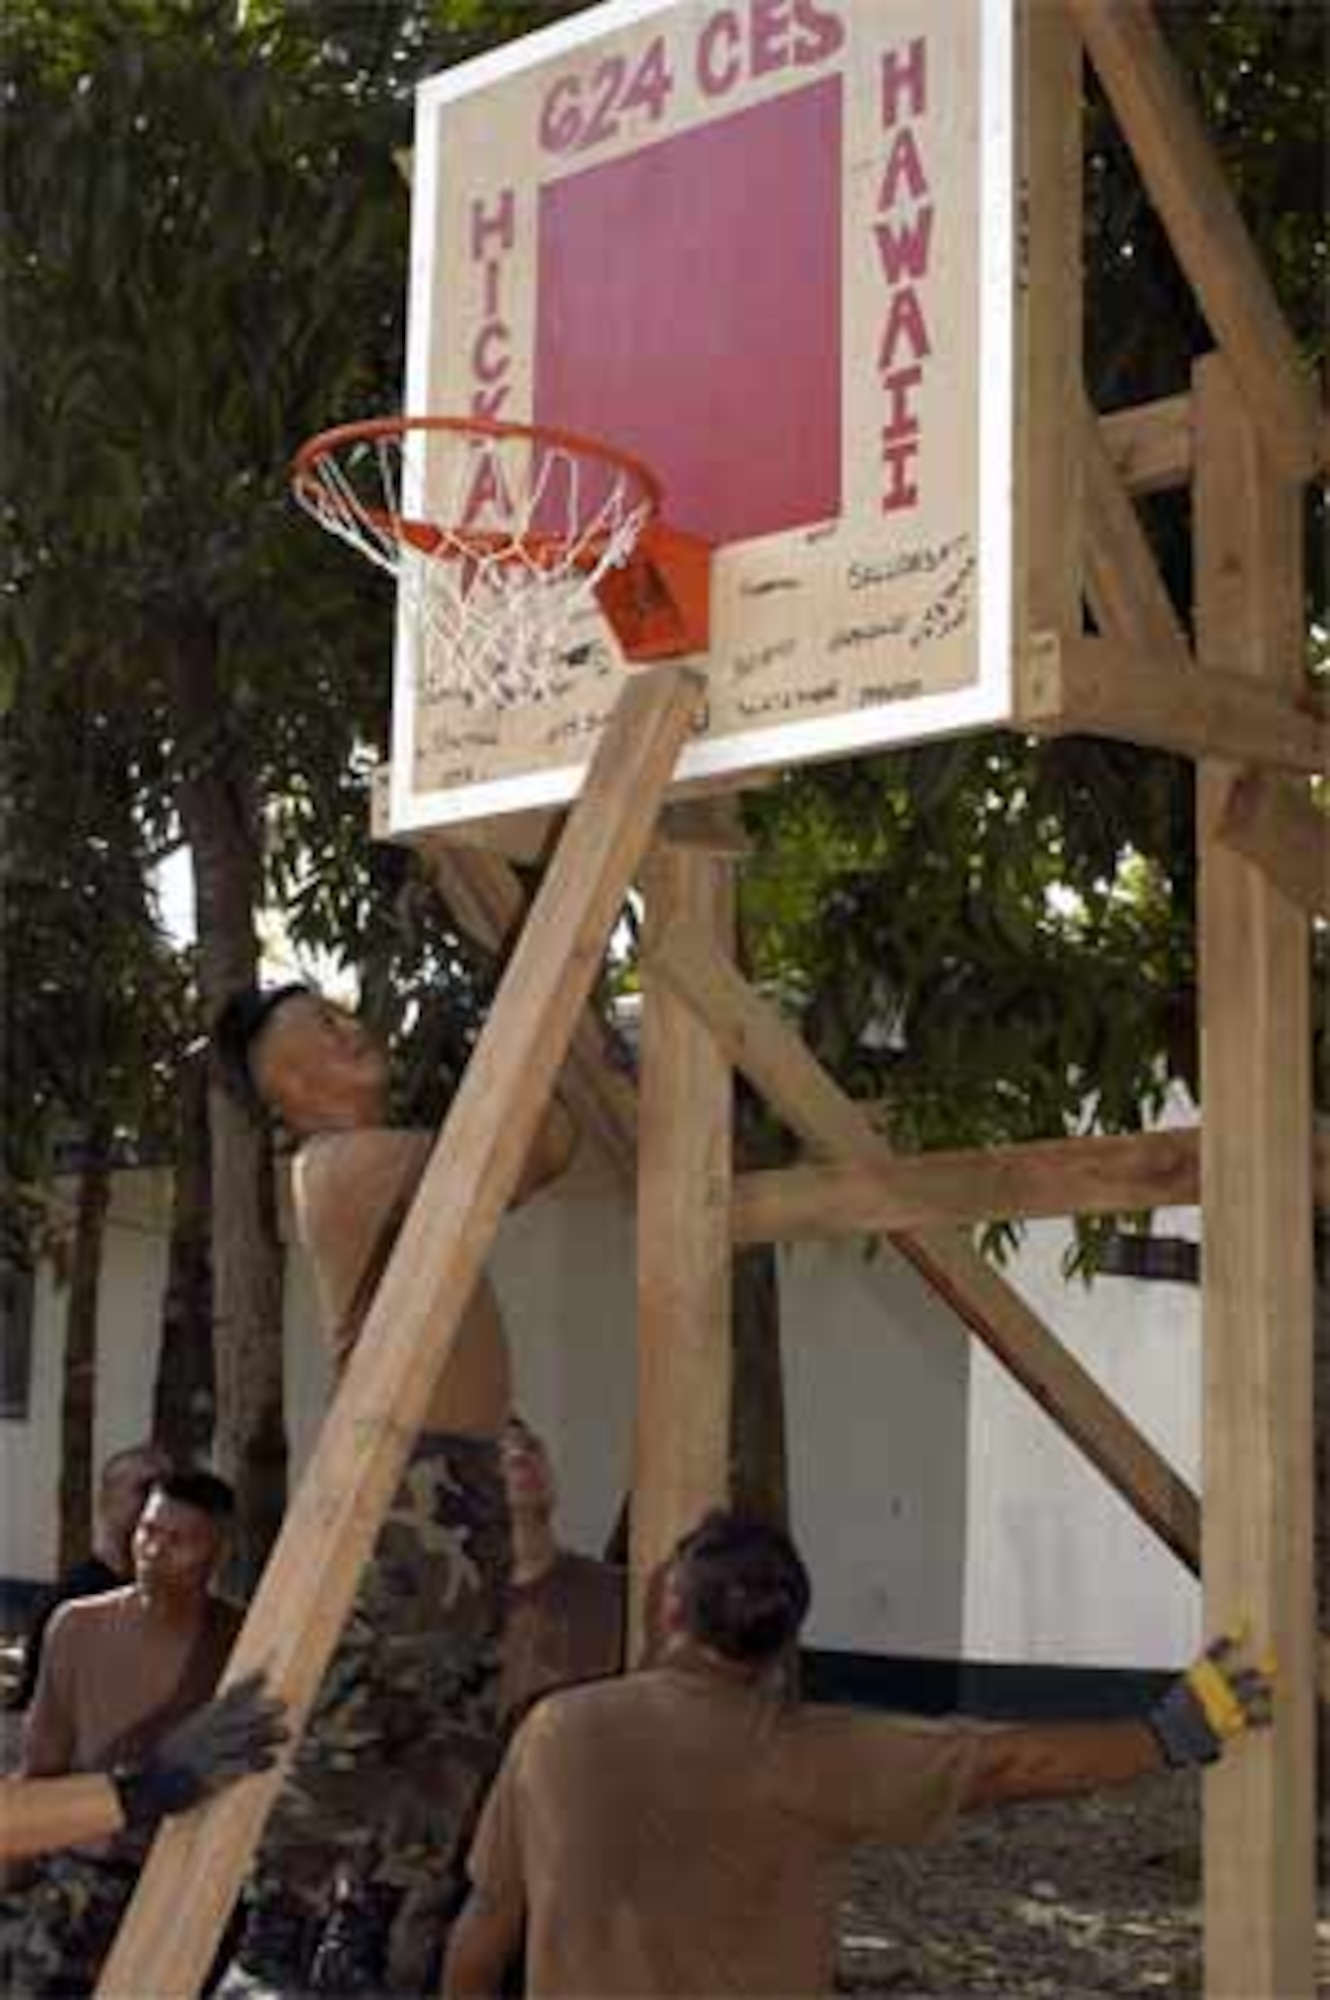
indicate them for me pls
(167, 1940)
(1122, 580)
(684, 1257)
(1279, 829)
(1185, 180)
(488, 900)
(1256, 1090)
(1091, 1176)
(834, 1127)
(1051, 315)
(1095, 687)
(1150, 444)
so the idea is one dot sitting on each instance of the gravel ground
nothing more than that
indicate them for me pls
(1076, 1901)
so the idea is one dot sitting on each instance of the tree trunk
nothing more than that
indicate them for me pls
(185, 1398)
(78, 1410)
(215, 799)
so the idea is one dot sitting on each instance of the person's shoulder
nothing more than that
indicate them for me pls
(590, 1706)
(86, 1618)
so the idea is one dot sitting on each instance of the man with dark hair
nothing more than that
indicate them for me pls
(118, 1672)
(679, 1831)
(124, 1484)
(361, 1861)
(565, 1612)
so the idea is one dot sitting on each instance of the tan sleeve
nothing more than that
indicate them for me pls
(495, 1863)
(48, 1731)
(879, 1778)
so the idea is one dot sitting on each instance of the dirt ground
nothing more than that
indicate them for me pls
(1076, 1901)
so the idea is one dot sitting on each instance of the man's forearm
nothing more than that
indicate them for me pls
(1059, 1760)
(40, 1814)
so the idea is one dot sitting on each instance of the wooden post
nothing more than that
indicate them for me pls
(1256, 1214)
(1049, 521)
(171, 1930)
(813, 1105)
(684, 1255)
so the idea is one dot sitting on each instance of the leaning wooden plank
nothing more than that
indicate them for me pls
(486, 897)
(685, 1347)
(1094, 687)
(192, 1878)
(1187, 184)
(1092, 1176)
(1150, 444)
(1256, 1296)
(832, 1125)
(1278, 828)
(1127, 594)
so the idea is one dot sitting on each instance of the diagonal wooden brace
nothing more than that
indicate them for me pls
(187, 1890)
(774, 1059)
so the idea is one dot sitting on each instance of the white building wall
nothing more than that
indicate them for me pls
(940, 1511)
(1060, 1570)
(876, 1384)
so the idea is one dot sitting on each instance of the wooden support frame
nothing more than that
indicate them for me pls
(1123, 584)
(684, 1254)
(1187, 184)
(1050, 474)
(1094, 687)
(1150, 444)
(835, 1127)
(1093, 1176)
(1257, 1268)
(186, 1892)
(1279, 830)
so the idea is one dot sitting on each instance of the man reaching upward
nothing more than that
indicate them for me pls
(353, 1876)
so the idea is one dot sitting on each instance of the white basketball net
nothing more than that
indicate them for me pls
(537, 524)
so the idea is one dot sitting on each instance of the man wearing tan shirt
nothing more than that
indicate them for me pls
(681, 1831)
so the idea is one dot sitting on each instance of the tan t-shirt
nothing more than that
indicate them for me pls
(566, 1627)
(674, 1833)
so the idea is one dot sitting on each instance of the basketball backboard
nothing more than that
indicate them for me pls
(769, 248)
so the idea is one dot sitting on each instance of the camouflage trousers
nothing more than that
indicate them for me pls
(403, 1739)
(57, 1930)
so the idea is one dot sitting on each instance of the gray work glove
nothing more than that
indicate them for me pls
(1218, 1697)
(232, 1737)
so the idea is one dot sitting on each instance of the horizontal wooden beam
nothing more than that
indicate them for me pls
(1186, 182)
(1151, 444)
(1091, 1176)
(833, 1126)
(1073, 686)
(1278, 828)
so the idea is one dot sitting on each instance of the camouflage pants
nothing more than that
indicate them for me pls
(403, 1739)
(56, 1932)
